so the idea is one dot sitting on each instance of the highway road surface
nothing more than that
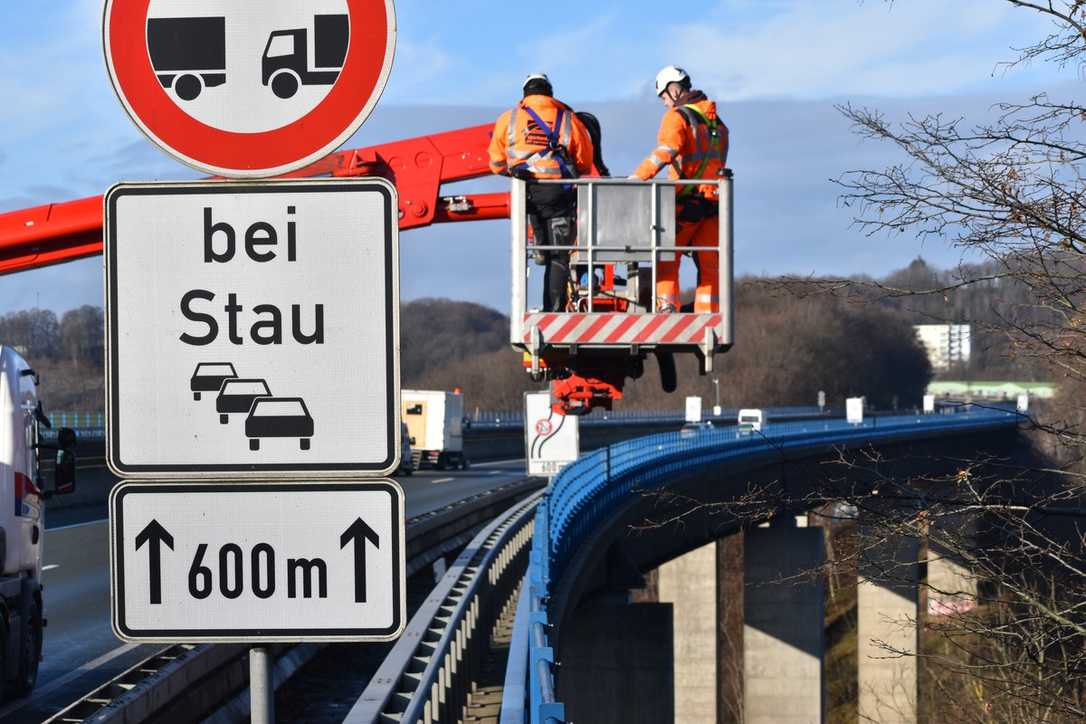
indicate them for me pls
(81, 652)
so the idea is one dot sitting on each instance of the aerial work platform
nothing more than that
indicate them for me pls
(625, 229)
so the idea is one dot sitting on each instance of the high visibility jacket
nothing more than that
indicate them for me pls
(692, 143)
(519, 143)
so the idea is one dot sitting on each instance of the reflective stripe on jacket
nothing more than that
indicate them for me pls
(689, 145)
(519, 142)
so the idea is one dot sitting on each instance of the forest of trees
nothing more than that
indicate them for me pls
(790, 345)
(67, 353)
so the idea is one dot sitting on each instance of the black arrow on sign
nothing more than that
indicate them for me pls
(359, 532)
(155, 535)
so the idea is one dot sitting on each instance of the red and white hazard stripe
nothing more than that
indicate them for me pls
(622, 329)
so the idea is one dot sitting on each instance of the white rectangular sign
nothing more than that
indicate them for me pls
(693, 409)
(854, 410)
(243, 562)
(252, 329)
(552, 441)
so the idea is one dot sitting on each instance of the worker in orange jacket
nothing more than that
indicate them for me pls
(692, 143)
(542, 138)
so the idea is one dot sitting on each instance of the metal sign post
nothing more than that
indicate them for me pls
(261, 689)
(252, 332)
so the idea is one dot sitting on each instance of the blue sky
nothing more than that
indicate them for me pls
(776, 66)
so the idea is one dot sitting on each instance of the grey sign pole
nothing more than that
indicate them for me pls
(261, 691)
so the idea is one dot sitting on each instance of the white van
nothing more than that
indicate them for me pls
(750, 421)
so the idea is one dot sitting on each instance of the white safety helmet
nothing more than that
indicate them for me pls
(542, 77)
(670, 74)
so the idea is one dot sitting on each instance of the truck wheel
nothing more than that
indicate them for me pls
(188, 87)
(284, 84)
(464, 464)
(30, 641)
(442, 462)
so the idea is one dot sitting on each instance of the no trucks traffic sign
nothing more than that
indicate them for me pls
(249, 88)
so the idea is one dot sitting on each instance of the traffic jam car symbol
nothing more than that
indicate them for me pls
(238, 395)
(279, 417)
(209, 377)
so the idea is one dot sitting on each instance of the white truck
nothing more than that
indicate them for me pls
(434, 421)
(23, 449)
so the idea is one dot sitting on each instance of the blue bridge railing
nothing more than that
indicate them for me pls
(588, 492)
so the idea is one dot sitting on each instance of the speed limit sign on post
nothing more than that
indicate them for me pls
(249, 88)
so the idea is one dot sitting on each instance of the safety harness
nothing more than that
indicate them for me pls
(717, 149)
(555, 147)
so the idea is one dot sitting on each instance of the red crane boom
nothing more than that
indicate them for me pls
(59, 232)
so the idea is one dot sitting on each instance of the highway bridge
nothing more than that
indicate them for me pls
(507, 578)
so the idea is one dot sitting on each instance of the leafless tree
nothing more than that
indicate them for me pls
(1008, 190)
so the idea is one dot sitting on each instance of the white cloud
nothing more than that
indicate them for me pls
(834, 48)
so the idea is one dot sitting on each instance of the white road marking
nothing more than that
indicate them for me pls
(78, 525)
(496, 472)
(492, 463)
(50, 567)
(442, 480)
(55, 684)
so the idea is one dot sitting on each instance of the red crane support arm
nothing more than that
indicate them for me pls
(60, 232)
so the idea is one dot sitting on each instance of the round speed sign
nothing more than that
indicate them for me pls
(249, 88)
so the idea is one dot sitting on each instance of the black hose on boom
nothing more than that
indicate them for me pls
(595, 132)
(669, 378)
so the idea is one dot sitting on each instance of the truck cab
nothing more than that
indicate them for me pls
(27, 442)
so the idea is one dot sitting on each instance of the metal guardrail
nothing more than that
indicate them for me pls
(92, 425)
(205, 676)
(588, 492)
(430, 671)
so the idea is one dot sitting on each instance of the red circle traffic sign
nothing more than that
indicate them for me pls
(188, 92)
(543, 427)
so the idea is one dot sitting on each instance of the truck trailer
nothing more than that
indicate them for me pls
(24, 447)
(188, 54)
(434, 421)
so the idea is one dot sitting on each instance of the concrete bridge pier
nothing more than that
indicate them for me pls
(783, 633)
(888, 613)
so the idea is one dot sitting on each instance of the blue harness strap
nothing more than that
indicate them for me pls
(554, 145)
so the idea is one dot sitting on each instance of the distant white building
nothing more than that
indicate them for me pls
(947, 344)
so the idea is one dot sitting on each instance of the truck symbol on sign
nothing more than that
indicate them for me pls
(279, 417)
(209, 377)
(238, 395)
(286, 62)
(188, 54)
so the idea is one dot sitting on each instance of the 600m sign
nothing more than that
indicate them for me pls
(257, 561)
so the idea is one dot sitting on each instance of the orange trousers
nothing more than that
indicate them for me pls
(701, 233)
